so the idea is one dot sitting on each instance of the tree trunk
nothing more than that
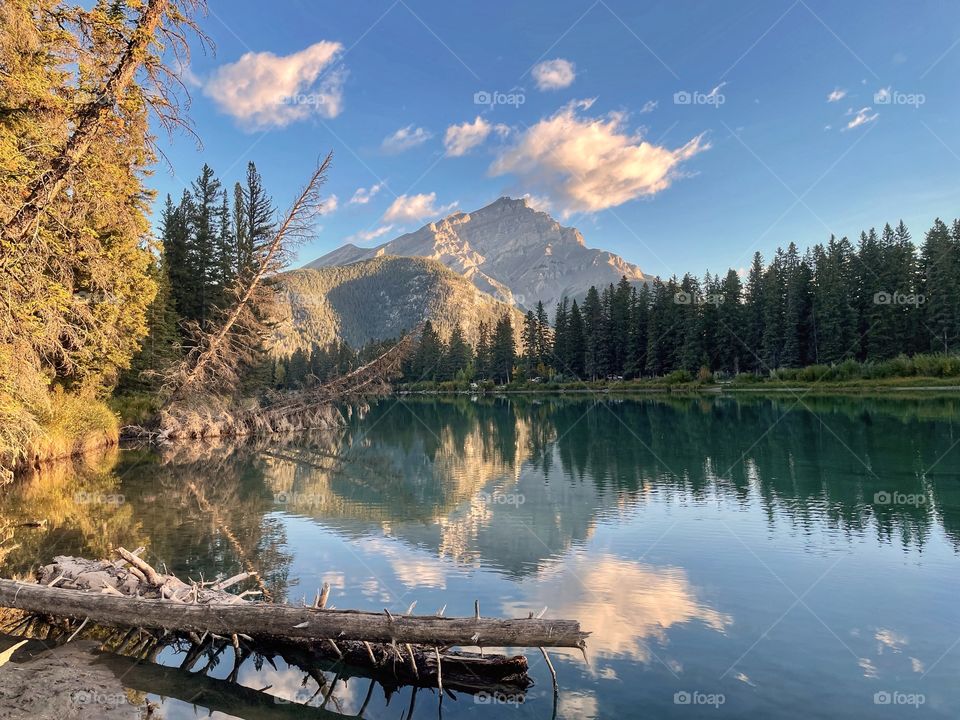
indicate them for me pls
(283, 622)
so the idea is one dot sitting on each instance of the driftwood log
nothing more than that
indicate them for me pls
(160, 609)
(284, 622)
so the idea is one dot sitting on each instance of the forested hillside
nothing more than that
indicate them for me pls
(378, 299)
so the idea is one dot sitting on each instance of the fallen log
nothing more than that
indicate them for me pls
(284, 622)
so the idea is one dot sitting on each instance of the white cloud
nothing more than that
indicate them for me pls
(836, 95)
(265, 90)
(591, 163)
(863, 116)
(649, 106)
(537, 202)
(405, 138)
(554, 74)
(330, 205)
(362, 196)
(461, 139)
(368, 235)
(416, 207)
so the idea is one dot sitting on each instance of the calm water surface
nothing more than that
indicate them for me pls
(732, 557)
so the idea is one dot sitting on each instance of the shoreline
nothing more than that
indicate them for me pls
(760, 389)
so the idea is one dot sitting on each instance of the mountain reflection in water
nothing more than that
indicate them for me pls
(670, 527)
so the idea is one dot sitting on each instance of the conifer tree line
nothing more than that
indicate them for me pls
(208, 239)
(868, 302)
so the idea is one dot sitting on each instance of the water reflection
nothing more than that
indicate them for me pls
(594, 509)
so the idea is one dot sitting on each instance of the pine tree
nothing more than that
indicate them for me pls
(530, 344)
(753, 316)
(458, 355)
(426, 364)
(576, 343)
(559, 352)
(834, 312)
(691, 350)
(226, 252)
(940, 283)
(774, 309)
(259, 223)
(483, 362)
(731, 330)
(544, 339)
(203, 262)
(796, 318)
(593, 332)
(503, 350)
(241, 231)
(638, 338)
(175, 236)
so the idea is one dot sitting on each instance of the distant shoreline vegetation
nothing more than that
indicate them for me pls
(877, 315)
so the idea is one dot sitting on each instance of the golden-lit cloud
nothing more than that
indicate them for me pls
(264, 90)
(624, 604)
(587, 164)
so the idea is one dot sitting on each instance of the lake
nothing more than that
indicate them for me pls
(796, 557)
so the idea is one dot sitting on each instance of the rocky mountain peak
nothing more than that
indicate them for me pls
(508, 249)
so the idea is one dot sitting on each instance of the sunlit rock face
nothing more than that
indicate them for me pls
(507, 249)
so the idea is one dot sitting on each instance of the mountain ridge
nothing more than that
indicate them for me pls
(377, 299)
(508, 249)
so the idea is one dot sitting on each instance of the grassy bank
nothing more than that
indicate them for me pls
(61, 426)
(902, 373)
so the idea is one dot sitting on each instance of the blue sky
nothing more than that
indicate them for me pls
(681, 135)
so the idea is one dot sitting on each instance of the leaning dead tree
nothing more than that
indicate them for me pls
(160, 609)
(200, 398)
(217, 354)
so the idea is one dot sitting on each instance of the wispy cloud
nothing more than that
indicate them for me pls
(368, 235)
(461, 139)
(554, 74)
(264, 90)
(863, 116)
(362, 196)
(587, 164)
(836, 95)
(649, 106)
(404, 139)
(330, 205)
(416, 207)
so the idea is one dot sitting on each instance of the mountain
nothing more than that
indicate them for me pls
(508, 249)
(378, 299)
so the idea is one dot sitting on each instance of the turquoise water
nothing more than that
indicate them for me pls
(790, 558)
